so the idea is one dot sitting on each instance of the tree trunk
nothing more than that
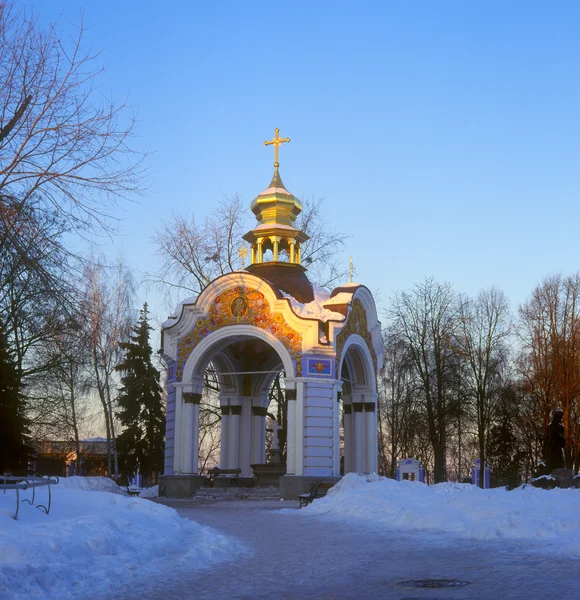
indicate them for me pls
(74, 421)
(103, 400)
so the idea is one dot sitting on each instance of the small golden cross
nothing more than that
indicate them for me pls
(276, 141)
(243, 252)
(351, 269)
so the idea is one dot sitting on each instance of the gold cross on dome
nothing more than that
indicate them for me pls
(276, 141)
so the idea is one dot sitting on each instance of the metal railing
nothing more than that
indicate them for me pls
(10, 482)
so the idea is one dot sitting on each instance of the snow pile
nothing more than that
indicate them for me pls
(152, 492)
(315, 309)
(95, 541)
(90, 484)
(525, 514)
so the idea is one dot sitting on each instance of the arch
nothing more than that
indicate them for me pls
(225, 364)
(355, 343)
(359, 406)
(217, 340)
(283, 250)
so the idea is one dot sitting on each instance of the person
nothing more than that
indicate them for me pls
(556, 442)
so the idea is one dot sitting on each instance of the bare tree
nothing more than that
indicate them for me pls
(63, 409)
(108, 308)
(30, 310)
(209, 430)
(321, 252)
(550, 330)
(482, 336)
(62, 144)
(194, 254)
(65, 162)
(395, 402)
(427, 319)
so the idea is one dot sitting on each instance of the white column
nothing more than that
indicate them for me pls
(234, 436)
(375, 448)
(195, 449)
(187, 443)
(224, 436)
(246, 437)
(358, 431)
(291, 434)
(299, 429)
(348, 433)
(336, 430)
(190, 420)
(370, 437)
(258, 431)
(178, 443)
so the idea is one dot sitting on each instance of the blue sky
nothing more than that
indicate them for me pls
(444, 136)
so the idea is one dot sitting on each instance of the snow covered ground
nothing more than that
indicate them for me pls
(152, 492)
(90, 484)
(93, 541)
(543, 520)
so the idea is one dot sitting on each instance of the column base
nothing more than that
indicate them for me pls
(291, 486)
(180, 486)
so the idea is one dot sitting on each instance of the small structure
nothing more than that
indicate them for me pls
(61, 458)
(475, 469)
(254, 324)
(411, 469)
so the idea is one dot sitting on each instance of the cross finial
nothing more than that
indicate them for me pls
(243, 252)
(351, 269)
(276, 141)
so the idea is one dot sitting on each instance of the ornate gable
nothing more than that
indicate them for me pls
(240, 306)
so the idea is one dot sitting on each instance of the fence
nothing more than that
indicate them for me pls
(9, 482)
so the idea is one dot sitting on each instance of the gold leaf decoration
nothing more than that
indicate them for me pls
(240, 306)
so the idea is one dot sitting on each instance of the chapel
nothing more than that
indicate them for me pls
(253, 324)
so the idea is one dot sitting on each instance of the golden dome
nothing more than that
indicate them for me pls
(276, 205)
(275, 240)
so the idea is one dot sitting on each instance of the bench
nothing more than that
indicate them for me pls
(216, 471)
(133, 491)
(317, 490)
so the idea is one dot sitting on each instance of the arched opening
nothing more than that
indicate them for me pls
(267, 250)
(241, 397)
(358, 415)
(283, 251)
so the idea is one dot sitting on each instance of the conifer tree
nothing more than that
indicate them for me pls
(14, 448)
(140, 402)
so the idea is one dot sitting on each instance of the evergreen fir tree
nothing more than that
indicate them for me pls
(502, 449)
(14, 448)
(141, 409)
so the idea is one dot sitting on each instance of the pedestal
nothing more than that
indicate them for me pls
(269, 475)
(180, 486)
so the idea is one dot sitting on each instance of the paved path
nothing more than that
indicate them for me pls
(300, 557)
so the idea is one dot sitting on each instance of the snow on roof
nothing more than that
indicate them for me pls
(340, 298)
(315, 309)
(177, 312)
